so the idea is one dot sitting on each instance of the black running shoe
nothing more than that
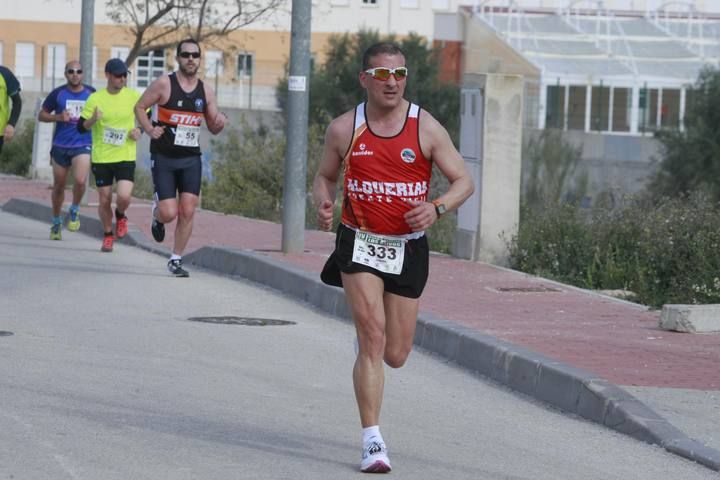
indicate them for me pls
(158, 230)
(175, 267)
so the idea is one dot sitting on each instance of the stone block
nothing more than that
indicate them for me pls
(691, 318)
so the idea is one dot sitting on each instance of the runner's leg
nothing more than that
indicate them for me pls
(184, 226)
(81, 167)
(364, 292)
(105, 208)
(124, 195)
(58, 190)
(401, 319)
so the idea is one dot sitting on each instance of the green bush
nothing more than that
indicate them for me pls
(248, 172)
(143, 187)
(664, 251)
(691, 157)
(552, 164)
(16, 155)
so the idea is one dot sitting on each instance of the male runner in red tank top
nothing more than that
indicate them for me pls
(386, 146)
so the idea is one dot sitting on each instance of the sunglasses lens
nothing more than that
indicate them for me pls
(71, 71)
(382, 73)
(400, 72)
(190, 54)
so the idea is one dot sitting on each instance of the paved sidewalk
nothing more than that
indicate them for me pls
(541, 333)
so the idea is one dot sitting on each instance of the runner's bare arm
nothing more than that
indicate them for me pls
(157, 93)
(214, 118)
(45, 116)
(438, 147)
(337, 136)
(85, 124)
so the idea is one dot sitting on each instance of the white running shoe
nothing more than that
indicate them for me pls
(374, 458)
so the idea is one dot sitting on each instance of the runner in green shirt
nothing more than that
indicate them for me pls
(109, 114)
(9, 95)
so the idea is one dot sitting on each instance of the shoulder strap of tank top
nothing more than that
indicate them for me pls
(359, 117)
(414, 110)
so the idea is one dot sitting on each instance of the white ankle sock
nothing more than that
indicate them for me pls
(372, 432)
(175, 256)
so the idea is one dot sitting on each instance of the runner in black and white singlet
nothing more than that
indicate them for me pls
(179, 101)
(183, 114)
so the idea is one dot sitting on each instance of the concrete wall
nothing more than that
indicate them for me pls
(613, 163)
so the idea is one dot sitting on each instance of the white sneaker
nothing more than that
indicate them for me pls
(374, 458)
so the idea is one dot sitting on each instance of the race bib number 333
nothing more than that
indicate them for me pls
(382, 253)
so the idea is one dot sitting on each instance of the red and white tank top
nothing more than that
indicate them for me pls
(382, 174)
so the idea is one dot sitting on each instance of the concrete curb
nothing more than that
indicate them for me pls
(562, 386)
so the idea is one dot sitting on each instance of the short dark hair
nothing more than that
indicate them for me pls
(187, 40)
(378, 49)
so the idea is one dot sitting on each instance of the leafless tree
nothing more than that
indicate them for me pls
(159, 24)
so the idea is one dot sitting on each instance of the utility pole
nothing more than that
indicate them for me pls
(87, 25)
(294, 192)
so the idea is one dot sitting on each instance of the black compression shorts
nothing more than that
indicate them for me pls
(172, 175)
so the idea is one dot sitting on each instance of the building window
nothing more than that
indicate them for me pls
(555, 107)
(670, 110)
(55, 60)
(600, 109)
(622, 109)
(119, 52)
(576, 108)
(369, 2)
(213, 63)
(245, 65)
(149, 67)
(24, 59)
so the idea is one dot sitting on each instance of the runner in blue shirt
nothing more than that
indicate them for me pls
(70, 148)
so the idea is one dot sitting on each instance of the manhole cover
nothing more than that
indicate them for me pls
(248, 321)
(528, 289)
(5, 334)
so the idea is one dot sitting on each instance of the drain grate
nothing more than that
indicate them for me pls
(528, 289)
(247, 321)
(4, 333)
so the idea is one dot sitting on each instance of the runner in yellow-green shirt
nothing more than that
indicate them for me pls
(10, 104)
(109, 114)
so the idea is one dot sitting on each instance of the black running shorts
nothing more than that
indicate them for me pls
(105, 173)
(172, 175)
(411, 281)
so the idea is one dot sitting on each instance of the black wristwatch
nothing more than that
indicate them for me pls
(439, 208)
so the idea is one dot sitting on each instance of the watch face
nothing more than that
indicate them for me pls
(440, 209)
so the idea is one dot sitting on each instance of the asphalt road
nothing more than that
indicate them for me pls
(104, 377)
